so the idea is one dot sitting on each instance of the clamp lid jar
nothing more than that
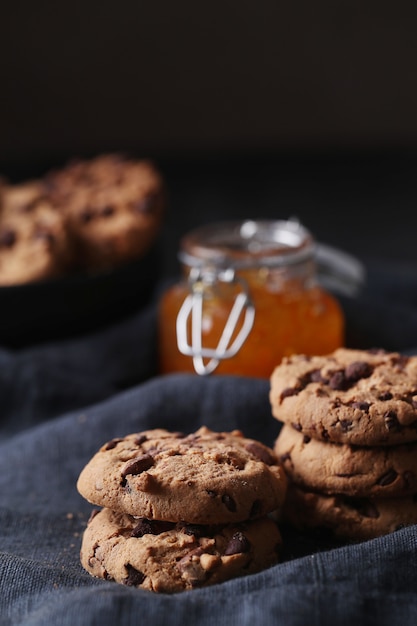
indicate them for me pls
(249, 296)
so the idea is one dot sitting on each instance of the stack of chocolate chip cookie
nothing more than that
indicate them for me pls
(181, 511)
(88, 215)
(349, 440)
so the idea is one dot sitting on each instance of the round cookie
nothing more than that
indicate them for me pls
(113, 206)
(34, 244)
(168, 557)
(94, 214)
(348, 518)
(384, 471)
(204, 478)
(357, 397)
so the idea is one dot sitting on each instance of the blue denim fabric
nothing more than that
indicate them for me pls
(59, 403)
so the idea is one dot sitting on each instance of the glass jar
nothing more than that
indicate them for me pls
(249, 297)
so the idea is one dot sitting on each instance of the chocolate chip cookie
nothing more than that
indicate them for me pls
(358, 397)
(329, 468)
(204, 478)
(348, 517)
(171, 557)
(113, 206)
(92, 215)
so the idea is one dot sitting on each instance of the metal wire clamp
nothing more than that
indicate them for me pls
(192, 308)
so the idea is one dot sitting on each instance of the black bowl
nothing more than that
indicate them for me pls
(61, 308)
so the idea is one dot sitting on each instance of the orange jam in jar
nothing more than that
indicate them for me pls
(249, 297)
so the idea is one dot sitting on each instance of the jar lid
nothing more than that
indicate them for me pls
(249, 243)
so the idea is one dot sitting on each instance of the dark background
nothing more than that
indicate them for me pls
(265, 109)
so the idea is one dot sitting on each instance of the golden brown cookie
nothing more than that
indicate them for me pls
(383, 471)
(168, 557)
(203, 478)
(114, 207)
(348, 517)
(92, 215)
(358, 397)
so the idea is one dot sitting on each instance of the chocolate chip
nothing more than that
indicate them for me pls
(151, 527)
(346, 425)
(387, 478)
(86, 215)
(110, 445)
(297, 427)
(195, 530)
(391, 421)
(386, 395)
(238, 544)
(256, 509)
(305, 380)
(361, 405)
(107, 211)
(140, 440)
(229, 503)
(144, 206)
(261, 453)
(338, 381)
(409, 479)
(316, 377)
(143, 527)
(190, 567)
(357, 370)
(134, 576)
(7, 238)
(306, 439)
(138, 465)
(325, 435)
(369, 510)
(289, 391)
